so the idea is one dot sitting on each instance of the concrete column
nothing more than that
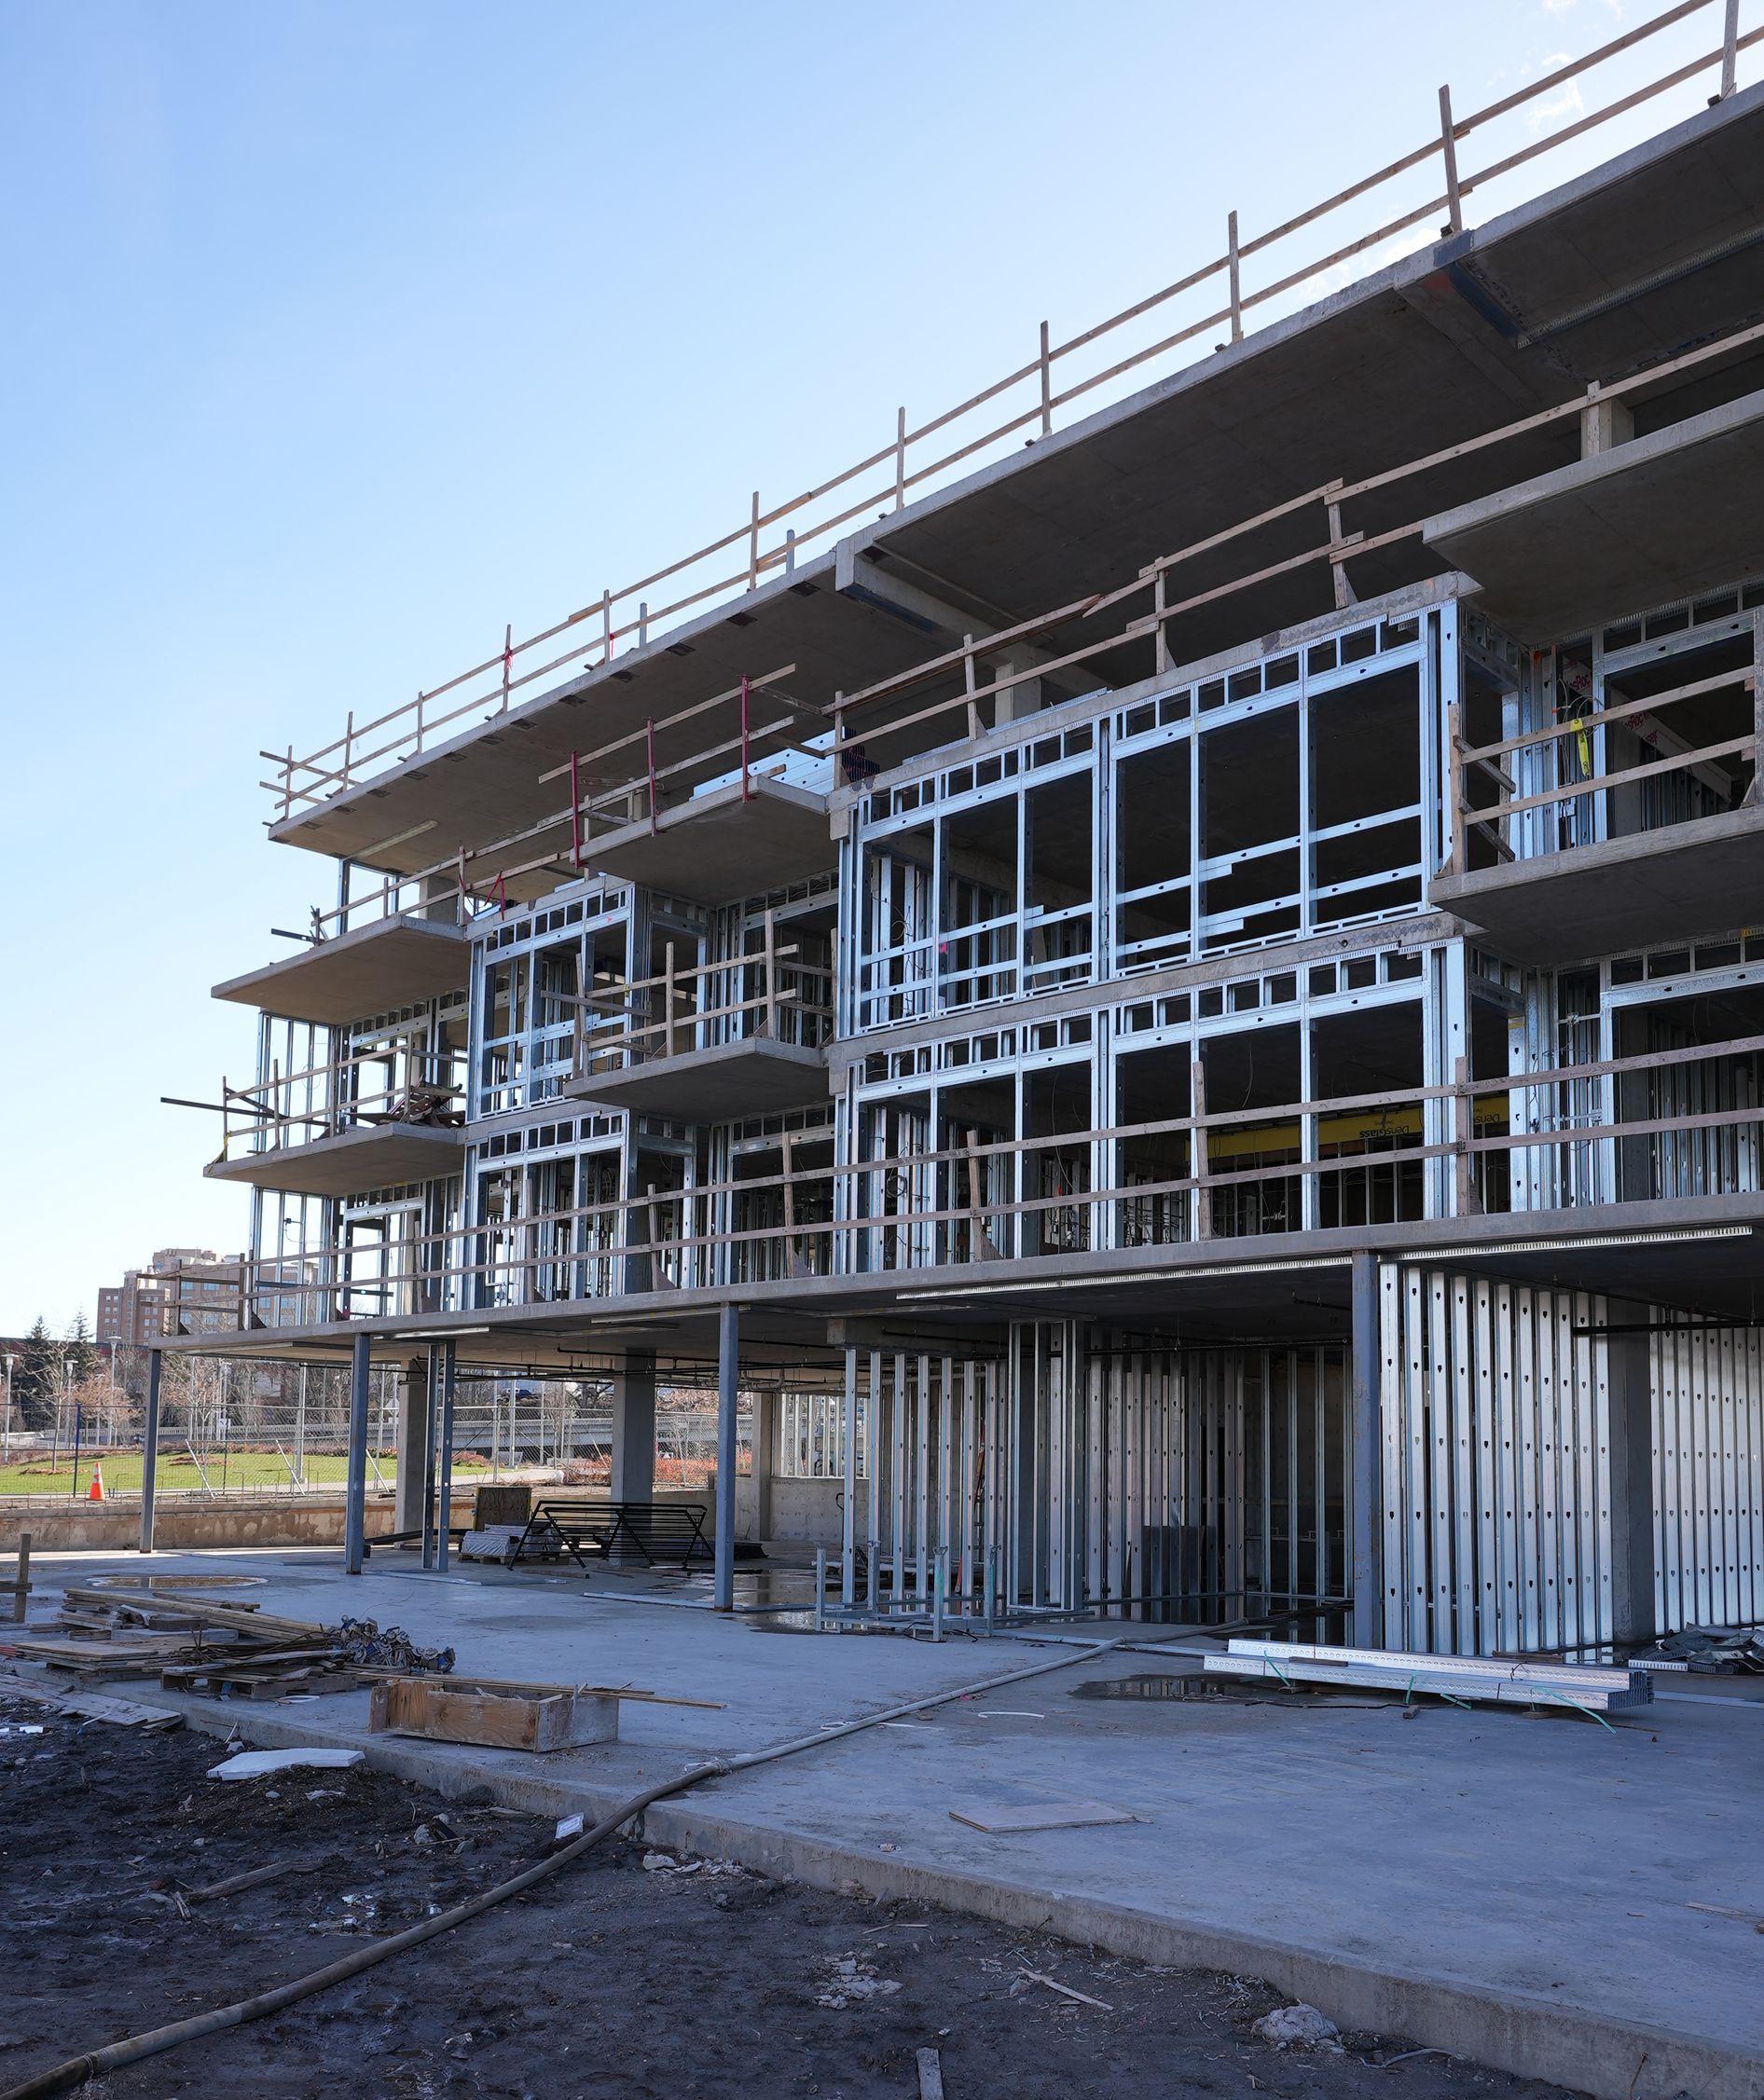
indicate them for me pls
(728, 1381)
(764, 1447)
(355, 1481)
(150, 1448)
(1025, 697)
(1604, 424)
(634, 1428)
(1366, 1370)
(412, 1447)
(1630, 1396)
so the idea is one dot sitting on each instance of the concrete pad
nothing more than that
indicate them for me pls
(1516, 1890)
(721, 847)
(1680, 884)
(376, 1156)
(1659, 518)
(713, 1086)
(395, 962)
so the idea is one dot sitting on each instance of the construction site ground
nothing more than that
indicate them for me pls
(627, 1973)
(1550, 1895)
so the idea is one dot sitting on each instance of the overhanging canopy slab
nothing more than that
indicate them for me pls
(1659, 518)
(721, 846)
(1688, 881)
(396, 962)
(380, 1157)
(723, 1085)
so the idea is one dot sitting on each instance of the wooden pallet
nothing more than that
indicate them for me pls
(241, 1680)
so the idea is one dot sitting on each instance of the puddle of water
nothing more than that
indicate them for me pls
(1148, 1687)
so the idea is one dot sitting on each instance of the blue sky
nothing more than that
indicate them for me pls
(341, 334)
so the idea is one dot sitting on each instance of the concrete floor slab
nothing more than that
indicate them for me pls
(375, 1156)
(1517, 1889)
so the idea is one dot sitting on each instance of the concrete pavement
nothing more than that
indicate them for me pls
(1514, 1888)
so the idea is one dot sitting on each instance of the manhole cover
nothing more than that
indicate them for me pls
(176, 1582)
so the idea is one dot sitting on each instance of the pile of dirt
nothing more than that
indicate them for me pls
(631, 1972)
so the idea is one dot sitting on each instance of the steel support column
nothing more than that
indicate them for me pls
(431, 1424)
(728, 1367)
(355, 1489)
(445, 1511)
(1368, 1433)
(150, 1448)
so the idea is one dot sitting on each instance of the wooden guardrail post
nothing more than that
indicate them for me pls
(1233, 262)
(1467, 1204)
(1449, 151)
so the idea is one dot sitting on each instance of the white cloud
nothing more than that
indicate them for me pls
(1564, 106)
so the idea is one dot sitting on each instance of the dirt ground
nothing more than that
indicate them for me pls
(622, 1975)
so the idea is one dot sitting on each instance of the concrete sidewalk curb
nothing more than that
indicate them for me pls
(1528, 2035)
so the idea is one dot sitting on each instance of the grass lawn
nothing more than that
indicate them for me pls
(175, 1473)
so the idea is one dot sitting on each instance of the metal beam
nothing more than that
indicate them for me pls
(150, 1448)
(356, 1490)
(728, 1368)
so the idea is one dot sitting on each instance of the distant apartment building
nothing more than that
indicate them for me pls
(188, 1290)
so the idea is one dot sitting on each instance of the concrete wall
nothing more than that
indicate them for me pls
(182, 1523)
(802, 1511)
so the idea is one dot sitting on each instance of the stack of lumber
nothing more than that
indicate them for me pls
(190, 1644)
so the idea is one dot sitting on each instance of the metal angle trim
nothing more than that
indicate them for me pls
(1571, 1245)
(1198, 1270)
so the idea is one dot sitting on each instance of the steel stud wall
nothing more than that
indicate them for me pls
(1708, 1476)
(1497, 1465)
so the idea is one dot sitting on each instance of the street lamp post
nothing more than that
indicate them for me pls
(5, 1428)
(67, 1394)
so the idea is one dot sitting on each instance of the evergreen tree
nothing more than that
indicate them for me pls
(81, 1351)
(36, 1378)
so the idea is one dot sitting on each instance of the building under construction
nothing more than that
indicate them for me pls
(1167, 992)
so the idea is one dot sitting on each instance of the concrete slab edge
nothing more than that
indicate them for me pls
(1528, 2035)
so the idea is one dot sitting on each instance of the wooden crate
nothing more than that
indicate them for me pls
(495, 1713)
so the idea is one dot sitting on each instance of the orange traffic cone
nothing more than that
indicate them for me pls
(95, 1493)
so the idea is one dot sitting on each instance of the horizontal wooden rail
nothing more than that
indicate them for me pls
(617, 1215)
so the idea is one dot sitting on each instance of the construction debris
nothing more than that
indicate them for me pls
(1714, 1651)
(92, 1706)
(1297, 2026)
(1066, 1990)
(253, 1765)
(1460, 1679)
(224, 1650)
